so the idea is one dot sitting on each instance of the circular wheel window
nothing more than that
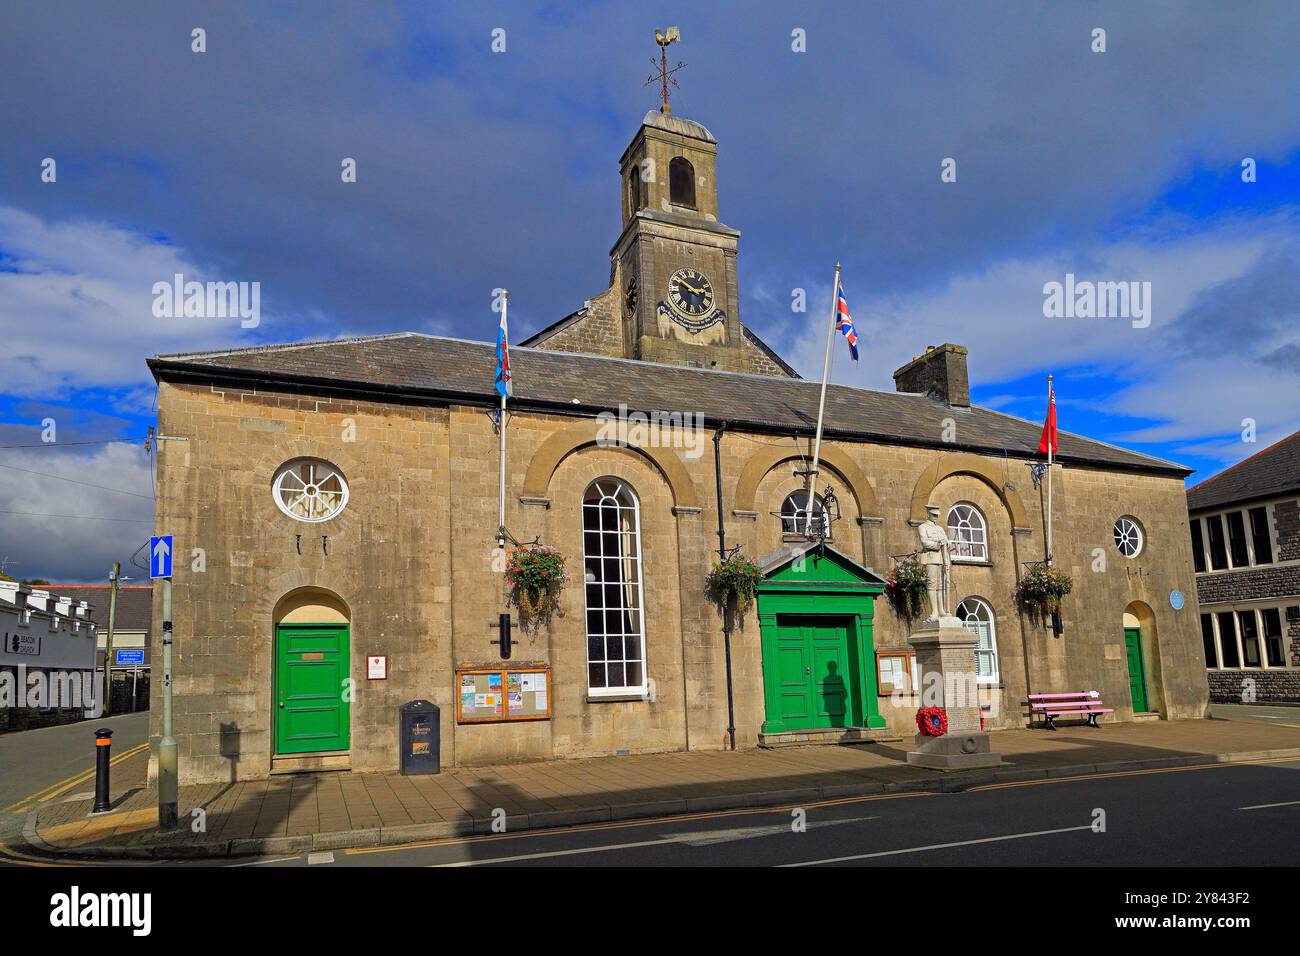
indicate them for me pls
(308, 489)
(1128, 537)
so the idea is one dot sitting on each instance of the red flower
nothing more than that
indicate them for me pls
(932, 721)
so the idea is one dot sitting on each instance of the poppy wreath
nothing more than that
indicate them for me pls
(932, 721)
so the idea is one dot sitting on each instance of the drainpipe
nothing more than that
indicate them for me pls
(726, 608)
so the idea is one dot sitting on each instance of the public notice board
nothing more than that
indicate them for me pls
(485, 694)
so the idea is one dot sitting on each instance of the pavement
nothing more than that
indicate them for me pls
(323, 812)
(1154, 817)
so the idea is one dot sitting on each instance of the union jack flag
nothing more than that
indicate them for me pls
(844, 323)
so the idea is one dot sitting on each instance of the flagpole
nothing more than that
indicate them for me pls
(501, 428)
(811, 483)
(1051, 447)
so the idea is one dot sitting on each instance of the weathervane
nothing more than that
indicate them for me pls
(665, 75)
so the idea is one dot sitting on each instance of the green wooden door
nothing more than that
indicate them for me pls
(814, 665)
(311, 692)
(1137, 676)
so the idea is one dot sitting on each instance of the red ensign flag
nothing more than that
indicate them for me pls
(1047, 444)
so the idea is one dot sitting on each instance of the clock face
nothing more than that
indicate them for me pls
(690, 293)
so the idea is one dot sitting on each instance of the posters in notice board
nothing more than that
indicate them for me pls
(494, 695)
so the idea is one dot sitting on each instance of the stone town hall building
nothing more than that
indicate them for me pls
(344, 494)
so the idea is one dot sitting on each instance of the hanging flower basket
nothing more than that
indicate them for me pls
(734, 580)
(536, 575)
(1042, 588)
(932, 721)
(906, 587)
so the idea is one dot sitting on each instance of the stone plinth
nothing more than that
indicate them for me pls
(945, 658)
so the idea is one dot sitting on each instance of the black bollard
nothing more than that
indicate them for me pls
(103, 743)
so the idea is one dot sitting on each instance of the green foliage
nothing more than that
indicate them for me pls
(906, 587)
(1043, 587)
(537, 576)
(735, 579)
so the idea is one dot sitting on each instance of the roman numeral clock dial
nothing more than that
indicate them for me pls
(691, 300)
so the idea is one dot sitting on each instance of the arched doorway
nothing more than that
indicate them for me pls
(1141, 649)
(312, 669)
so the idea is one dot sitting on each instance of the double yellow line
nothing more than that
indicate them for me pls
(62, 786)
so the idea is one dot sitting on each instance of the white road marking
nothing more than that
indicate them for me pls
(709, 837)
(276, 859)
(1267, 806)
(939, 846)
(314, 859)
(540, 856)
(690, 838)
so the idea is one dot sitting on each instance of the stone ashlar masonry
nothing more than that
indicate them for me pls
(1257, 584)
(412, 559)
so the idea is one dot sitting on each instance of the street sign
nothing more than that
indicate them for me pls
(160, 556)
(129, 658)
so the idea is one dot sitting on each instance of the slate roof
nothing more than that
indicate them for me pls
(410, 366)
(134, 603)
(537, 338)
(1273, 471)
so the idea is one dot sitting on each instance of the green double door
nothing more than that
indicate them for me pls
(1137, 672)
(312, 688)
(815, 663)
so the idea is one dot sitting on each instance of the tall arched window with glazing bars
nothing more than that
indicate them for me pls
(611, 558)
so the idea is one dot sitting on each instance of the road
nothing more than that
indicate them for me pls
(55, 762)
(1224, 815)
(1265, 713)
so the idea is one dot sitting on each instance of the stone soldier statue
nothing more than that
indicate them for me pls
(937, 561)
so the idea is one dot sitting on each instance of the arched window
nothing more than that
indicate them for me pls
(1128, 537)
(794, 512)
(611, 559)
(681, 182)
(978, 617)
(308, 489)
(967, 533)
(633, 190)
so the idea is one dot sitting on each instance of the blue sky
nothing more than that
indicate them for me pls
(479, 169)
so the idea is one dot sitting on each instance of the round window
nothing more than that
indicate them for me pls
(308, 489)
(1128, 537)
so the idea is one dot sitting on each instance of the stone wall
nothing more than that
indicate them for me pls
(412, 558)
(1249, 584)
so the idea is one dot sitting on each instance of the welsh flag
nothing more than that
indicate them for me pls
(1047, 444)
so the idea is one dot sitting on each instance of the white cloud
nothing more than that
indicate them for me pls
(76, 306)
(1198, 369)
(71, 550)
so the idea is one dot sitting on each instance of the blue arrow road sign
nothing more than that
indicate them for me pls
(160, 556)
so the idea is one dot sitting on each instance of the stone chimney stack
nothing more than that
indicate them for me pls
(939, 373)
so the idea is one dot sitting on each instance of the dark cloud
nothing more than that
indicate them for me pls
(479, 169)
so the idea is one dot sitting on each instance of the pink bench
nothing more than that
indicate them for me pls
(1083, 703)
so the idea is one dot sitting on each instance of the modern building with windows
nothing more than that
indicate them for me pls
(345, 496)
(133, 617)
(1245, 532)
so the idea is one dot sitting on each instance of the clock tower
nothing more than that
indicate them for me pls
(673, 296)
(675, 263)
